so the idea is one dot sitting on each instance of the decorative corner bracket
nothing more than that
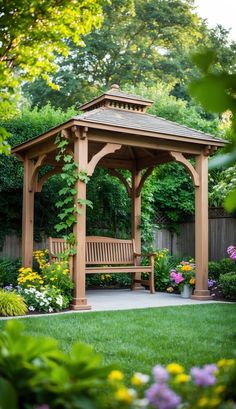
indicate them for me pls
(80, 133)
(179, 157)
(108, 148)
(44, 178)
(209, 150)
(114, 172)
(147, 173)
(35, 169)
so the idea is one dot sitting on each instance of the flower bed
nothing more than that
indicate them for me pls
(47, 290)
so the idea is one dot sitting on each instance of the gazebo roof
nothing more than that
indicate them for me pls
(118, 117)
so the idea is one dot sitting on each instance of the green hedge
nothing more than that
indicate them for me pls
(227, 284)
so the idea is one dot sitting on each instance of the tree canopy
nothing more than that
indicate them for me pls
(32, 34)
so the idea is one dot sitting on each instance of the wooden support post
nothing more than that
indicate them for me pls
(28, 215)
(136, 218)
(201, 230)
(81, 158)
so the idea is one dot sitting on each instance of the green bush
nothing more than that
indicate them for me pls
(56, 275)
(224, 266)
(214, 270)
(11, 304)
(45, 300)
(9, 272)
(227, 284)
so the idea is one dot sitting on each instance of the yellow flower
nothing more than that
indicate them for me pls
(115, 376)
(124, 395)
(186, 268)
(220, 389)
(225, 363)
(139, 379)
(175, 369)
(192, 281)
(182, 378)
(170, 289)
(213, 402)
(203, 402)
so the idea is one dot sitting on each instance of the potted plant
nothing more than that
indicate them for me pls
(183, 277)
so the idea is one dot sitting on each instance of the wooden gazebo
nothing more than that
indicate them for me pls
(115, 132)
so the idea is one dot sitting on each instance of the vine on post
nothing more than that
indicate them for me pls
(67, 205)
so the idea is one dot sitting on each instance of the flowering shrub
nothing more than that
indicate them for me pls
(57, 276)
(28, 278)
(184, 273)
(46, 300)
(231, 250)
(41, 256)
(42, 376)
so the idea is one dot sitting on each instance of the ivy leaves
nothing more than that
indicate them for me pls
(67, 205)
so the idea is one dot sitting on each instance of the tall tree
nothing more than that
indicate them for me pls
(31, 35)
(132, 46)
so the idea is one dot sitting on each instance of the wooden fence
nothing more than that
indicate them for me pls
(222, 233)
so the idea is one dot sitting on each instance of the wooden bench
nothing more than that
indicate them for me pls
(105, 255)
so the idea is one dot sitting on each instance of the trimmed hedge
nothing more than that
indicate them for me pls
(227, 284)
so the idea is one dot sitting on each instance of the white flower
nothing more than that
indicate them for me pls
(31, 308)
(143, 378)
(50, 309)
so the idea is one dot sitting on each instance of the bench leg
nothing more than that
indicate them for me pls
(152, 283)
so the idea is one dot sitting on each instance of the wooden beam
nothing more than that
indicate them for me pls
(108, 148)
(79, 260)
(141, 141)
(114, 172)
(179, 157)
(111, 163)
(201, 230)
(136, 220)
(158, 159)
(27, 215)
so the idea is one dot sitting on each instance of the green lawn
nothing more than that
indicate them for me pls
(138, 339)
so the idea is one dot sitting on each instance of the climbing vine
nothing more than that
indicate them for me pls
(67, 205)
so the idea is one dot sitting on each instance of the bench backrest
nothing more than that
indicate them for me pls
(99, 250)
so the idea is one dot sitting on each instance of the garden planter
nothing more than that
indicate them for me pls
(186, 291)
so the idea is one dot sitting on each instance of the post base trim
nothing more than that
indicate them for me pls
(202, 295)
(80, 304)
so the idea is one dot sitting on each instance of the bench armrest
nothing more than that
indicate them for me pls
(144, 254)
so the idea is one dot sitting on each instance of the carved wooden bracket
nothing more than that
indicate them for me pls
(147, 173)
(118, 175)
(179, 157)
(108, 148)
(80, 133)
(209, 150)
(44, 178)
(35, 169)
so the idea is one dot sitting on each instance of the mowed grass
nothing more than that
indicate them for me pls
(136, 340)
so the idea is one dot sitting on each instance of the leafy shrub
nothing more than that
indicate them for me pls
(227, 284)
(162, 269)
(214, 270)
(46, 300)
(9, 271)
(57, 276)
(11, 304)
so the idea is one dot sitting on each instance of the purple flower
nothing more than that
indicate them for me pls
(231, 250)
(162, 397)
(211, 283)
(160, 373)
(8, 288)
(176, 277)
(204, 376)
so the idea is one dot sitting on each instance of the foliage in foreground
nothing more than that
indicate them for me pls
(34, 373)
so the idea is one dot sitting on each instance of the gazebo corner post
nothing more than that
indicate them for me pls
(201, 230)
(79, 230)
(136, 218)
(28, 214)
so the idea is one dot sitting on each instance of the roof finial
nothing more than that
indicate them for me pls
(115, 86)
